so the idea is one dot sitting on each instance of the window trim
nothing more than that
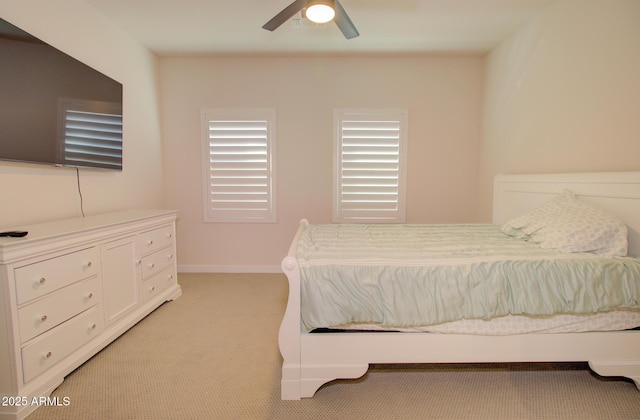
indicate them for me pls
(266, 115)
(401, 116)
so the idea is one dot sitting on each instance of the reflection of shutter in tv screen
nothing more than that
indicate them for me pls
(91, 134)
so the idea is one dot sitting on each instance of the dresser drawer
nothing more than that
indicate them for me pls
(43, 277)
(155, 239)
(56, 344)
(57, 307)
(152, 264)
(158, 283)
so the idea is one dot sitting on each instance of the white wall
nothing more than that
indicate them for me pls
(563, 94)
(443, 95)
(33, 193)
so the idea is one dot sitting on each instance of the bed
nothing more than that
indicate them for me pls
(347, 346)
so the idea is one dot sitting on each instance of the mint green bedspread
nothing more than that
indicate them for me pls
(404, 275)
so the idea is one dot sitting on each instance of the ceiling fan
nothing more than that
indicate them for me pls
(333, 7)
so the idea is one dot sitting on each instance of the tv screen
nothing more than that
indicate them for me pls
(54, 109)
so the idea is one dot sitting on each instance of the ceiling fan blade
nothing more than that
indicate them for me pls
(344, 23)
(286, 14)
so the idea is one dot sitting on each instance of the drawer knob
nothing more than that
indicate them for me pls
(169, 235)
(47, 355)
(152, 265)
(170, 256)
(92, 326)
(152, 288)
(150, 242)
(42, 280)
(43, 318)
(90, 295)
(88, 264)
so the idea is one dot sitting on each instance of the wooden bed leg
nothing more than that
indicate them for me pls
(628, 369)
(290, 387)
(313, 377)
(303, 381)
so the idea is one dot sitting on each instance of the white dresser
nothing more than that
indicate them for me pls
(71, 287)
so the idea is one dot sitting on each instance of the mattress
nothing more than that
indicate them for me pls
(617, 320)
(425, 277)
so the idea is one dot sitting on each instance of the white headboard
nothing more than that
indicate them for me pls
(615, 192)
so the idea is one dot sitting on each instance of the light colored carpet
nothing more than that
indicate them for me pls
(213, 354)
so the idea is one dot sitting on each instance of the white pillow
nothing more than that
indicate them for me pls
(568, 224)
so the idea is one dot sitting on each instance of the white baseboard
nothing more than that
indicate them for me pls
(229, 269)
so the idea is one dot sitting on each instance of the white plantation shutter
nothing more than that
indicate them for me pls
(370, 162)
(91, 134)
(238, 165)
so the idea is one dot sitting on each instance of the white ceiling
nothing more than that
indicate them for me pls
(385, 26)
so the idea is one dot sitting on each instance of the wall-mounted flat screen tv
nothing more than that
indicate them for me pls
(54, 109)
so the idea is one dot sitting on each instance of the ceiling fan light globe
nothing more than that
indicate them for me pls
(320, 13)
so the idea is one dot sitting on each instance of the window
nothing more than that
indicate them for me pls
(370, 166)
(90, 134)
(238, 165)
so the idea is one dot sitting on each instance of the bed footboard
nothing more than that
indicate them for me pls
(299, 379)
